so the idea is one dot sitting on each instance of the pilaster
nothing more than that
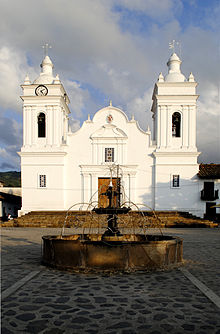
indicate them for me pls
(169, 125)
(49, 129)
(159, 126)
(185, 128)
(163, 126)
(192, 127)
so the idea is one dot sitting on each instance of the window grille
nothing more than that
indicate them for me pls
(176, 181)
(109, 154)
(42, 181)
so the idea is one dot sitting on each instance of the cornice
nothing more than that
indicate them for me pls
(176, 84)
(177, 96)
(106, 165)
(42, 154)
(176, 154)
(43, 98)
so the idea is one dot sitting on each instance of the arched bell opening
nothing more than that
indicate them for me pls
(41, 121)
(176, 124)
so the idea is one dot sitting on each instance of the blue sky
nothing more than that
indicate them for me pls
(109, 49)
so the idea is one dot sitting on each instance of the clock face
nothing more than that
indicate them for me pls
(41, 90)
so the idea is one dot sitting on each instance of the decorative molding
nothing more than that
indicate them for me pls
(176, 154)
(40, 153)
(177, 97)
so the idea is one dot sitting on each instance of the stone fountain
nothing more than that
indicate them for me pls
(111, 249)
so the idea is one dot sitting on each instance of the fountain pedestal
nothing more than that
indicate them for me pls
(112, 211)
(119, 253)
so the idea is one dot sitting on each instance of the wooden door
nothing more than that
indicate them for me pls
(210, 211)
(103, 183)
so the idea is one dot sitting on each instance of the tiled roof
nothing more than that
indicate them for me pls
(209, 171)
(9, 197)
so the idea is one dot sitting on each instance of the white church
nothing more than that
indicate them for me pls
(157, 171)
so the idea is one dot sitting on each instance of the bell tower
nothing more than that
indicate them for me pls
(45, 130)
(175, 155)
(45, 110)
(174, 109)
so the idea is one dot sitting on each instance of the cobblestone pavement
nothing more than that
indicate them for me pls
(164, 301)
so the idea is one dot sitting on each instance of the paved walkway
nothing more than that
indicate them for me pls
(37, 299)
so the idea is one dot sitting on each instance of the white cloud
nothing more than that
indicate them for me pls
(140, 107)
(9, 79)
(78, 97)
(10, 131)
(9, 160)
(13, 68)
(208, 125)
(10, 143)
(99, 59)
(74, 124)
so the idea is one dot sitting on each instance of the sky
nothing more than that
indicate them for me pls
(109, 50)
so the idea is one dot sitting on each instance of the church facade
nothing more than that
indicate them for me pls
(157, 170)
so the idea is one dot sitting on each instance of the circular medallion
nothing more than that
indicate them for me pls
(109, 118)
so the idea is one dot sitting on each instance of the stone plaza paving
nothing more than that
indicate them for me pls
(38, 299)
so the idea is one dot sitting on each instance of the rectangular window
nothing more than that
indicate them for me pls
(109, 154)
(42, 181)
(176, 181)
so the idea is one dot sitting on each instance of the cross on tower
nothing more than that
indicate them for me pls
(173, 44)
(46, 47)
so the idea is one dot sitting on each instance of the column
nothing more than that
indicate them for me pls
(86, 184)
(169, 126)
(82, 188)
(55, 127)
(24, 126)
(158, 126)
(49, 124)
(192, 110)
(28, 125)
(153, 186)
(192, 126)
(90, 187)
(163, 126)
(59, 121)
(65, 126)
(34, 126)
(185, 128)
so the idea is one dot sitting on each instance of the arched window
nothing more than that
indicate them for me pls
(41, 120)
(176, 123)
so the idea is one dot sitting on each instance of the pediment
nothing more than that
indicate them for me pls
(109, 131)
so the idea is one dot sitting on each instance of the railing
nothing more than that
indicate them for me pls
(208, 196)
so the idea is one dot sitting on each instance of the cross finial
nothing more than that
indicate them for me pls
(173, 44)
(46, 47)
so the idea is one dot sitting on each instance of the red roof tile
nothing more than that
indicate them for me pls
(209, 171)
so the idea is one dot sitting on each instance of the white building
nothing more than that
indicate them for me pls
(10, 201)
(60, 168)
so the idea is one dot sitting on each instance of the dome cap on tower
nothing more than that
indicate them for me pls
(174, 71)
(46, 75)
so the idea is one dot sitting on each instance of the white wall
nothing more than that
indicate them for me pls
(85, 158)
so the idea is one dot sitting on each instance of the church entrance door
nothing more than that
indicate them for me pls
(103, 183)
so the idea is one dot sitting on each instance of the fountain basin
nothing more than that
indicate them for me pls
(122, 252)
